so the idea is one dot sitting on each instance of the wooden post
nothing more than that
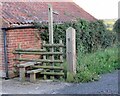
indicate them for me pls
(21, 69)
(71, 50)
(50, 19)
(22, 74)
(19, 47)
(32, 77)
(61, 56)
(52, 64)
(44, 57)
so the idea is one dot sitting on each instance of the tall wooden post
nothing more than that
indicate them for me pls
(71, 49)
(50, 19)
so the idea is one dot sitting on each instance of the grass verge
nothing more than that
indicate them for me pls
(91, 65)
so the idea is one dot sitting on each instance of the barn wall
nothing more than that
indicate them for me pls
(27, 38)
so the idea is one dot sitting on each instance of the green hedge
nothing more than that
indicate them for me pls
(90, 36)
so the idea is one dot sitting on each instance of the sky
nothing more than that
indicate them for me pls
(100, 9)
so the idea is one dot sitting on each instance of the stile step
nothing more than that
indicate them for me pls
(35, 71)
(49, 67)
(27, 64)
(52, 73)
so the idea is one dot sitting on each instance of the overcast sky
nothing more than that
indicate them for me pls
(101, 9)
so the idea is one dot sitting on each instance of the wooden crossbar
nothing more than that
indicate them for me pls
(38, 53)
(53, 45)
(38, 60)
(30, 50)
(48, 67)
(52, 73)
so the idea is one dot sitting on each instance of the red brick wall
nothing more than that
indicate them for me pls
(27, 38)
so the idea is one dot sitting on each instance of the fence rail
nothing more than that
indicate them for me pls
(37, 53)
(39, 60)
(53, 45)
(29, 50)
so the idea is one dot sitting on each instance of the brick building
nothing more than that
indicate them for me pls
(17, 27)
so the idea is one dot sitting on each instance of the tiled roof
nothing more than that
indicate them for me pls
(28, 12)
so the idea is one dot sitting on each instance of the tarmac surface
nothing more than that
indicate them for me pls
(107, 84)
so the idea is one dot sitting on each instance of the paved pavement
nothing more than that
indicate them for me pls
(108, 84)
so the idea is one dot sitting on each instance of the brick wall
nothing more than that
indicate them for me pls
(27, 38)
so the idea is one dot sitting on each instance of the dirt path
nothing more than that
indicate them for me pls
(108, 84)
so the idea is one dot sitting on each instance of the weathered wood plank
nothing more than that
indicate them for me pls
(22, 74)
(50, 19)
(38, 53)
(34, 71)
(44, 57)
(32, 77)
(53, 45)
(71, 49)
(52, 73)
(30, 50)
(38, 60)
(61, 57)
(27, 64)
(49, 67)
(52, 63)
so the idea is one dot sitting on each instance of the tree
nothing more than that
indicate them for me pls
(116, 26)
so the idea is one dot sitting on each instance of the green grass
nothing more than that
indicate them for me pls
(91, 65)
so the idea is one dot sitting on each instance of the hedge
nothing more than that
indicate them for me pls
(90, 36)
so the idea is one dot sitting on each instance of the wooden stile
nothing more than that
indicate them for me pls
(49, 69)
